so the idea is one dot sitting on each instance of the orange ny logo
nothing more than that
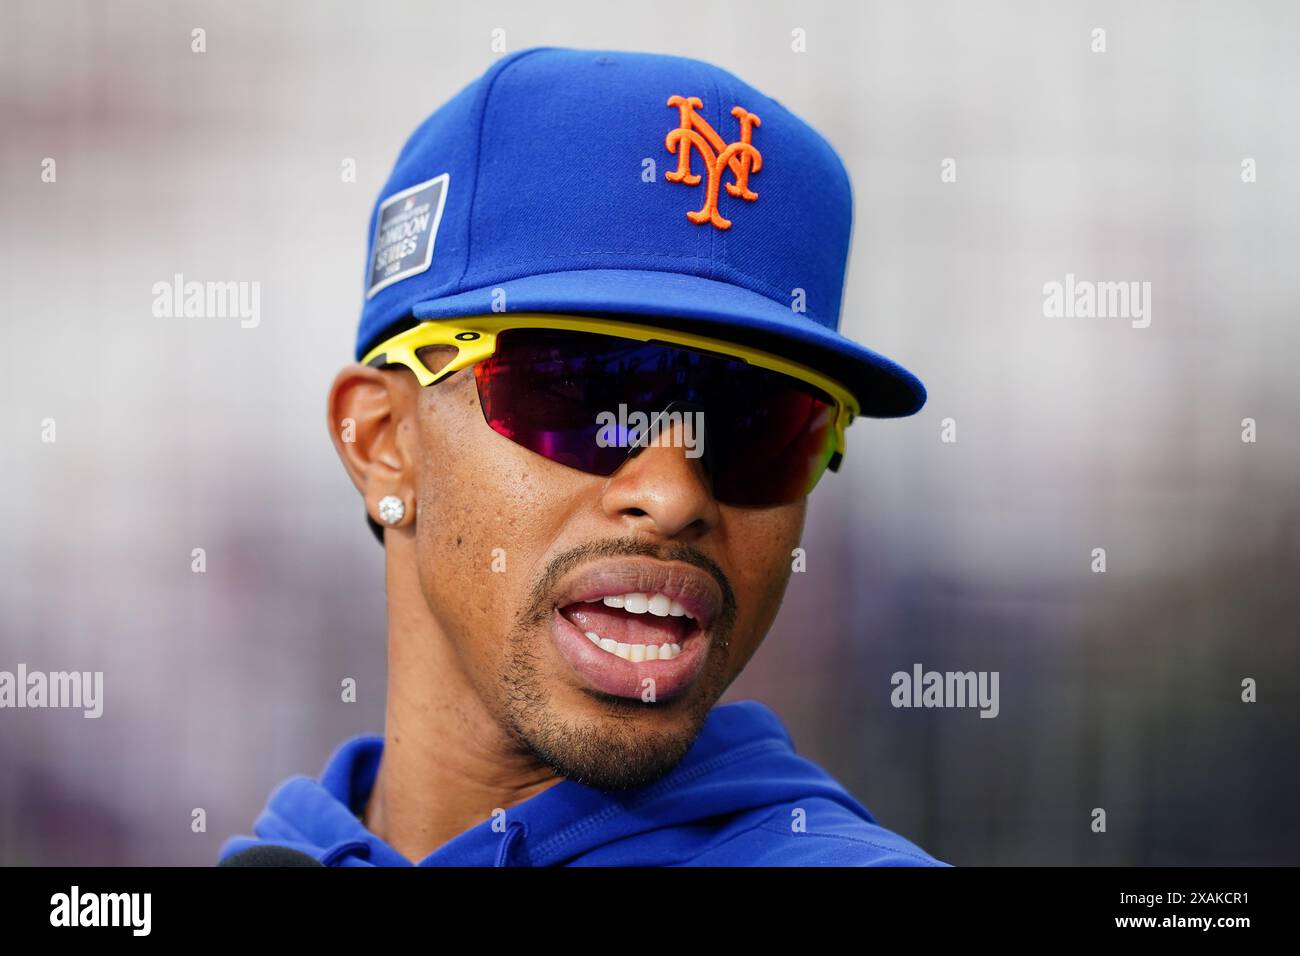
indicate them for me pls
(741, 156)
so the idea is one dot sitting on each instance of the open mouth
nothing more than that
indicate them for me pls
(635, 626)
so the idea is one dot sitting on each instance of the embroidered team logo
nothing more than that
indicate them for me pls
(696, 135)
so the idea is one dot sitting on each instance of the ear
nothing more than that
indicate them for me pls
(367, 411)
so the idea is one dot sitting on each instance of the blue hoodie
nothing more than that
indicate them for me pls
(740, 797)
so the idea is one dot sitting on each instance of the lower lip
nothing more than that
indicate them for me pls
(611, 674)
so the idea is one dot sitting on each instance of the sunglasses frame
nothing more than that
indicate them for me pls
(475, 339)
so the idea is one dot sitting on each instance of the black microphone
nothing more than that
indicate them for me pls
(270, 856)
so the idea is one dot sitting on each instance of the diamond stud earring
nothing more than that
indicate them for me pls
(391, 509)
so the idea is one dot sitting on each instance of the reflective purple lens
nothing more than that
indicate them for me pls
(584, 400)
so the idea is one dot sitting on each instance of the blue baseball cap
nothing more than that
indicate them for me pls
(633, 184)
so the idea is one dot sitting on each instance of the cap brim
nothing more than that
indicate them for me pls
(883, 388)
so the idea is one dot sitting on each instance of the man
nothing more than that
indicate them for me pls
(599, 374)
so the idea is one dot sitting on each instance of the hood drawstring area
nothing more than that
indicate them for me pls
(333, 854)
(514, 835)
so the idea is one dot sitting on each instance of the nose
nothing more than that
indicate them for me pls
(663, 488)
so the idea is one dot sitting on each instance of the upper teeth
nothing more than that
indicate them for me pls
(636, 602)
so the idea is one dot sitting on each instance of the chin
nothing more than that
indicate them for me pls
(611, 742)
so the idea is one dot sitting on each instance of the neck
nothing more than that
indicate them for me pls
(447, 764)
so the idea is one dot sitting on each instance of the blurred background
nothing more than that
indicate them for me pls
(1119, 690)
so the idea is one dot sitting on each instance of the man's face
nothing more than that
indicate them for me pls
(517, 555)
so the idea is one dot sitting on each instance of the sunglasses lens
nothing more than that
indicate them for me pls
(773, 439)
(575, 398)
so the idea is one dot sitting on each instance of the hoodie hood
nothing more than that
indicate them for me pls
(740, 796)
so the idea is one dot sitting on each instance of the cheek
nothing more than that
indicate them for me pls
(763, 541)
(485, 518)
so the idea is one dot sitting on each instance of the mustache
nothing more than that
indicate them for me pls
(538, 609)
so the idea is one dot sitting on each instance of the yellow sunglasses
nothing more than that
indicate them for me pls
(587, 392)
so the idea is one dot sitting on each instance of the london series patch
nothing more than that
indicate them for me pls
(404, 233)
